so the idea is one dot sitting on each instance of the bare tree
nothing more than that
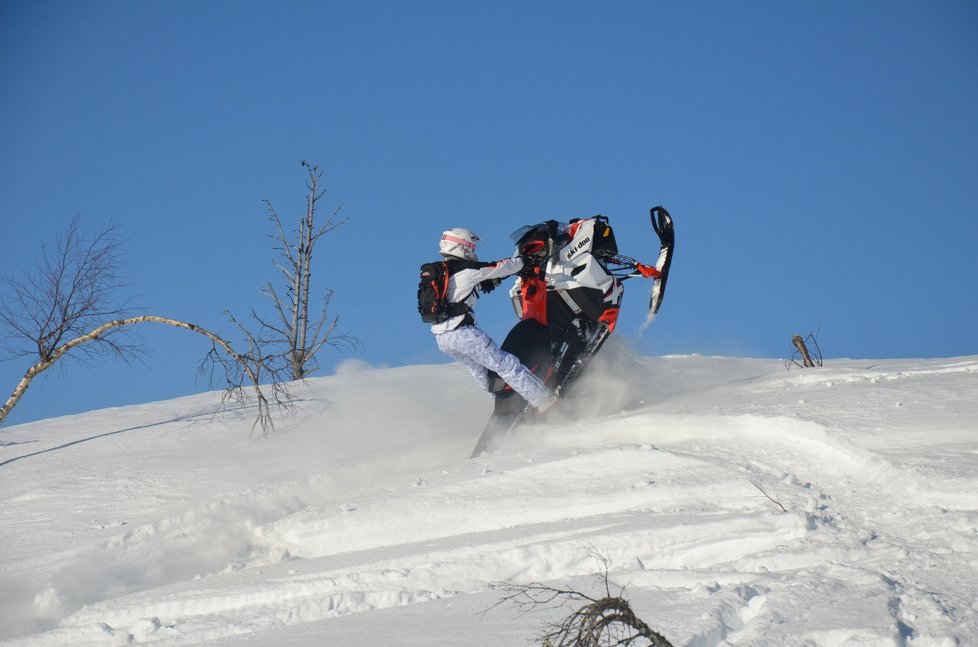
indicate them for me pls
(300, 334)
(68, 303)
(608, 621)
(72, 289)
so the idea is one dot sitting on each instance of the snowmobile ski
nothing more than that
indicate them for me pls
(662, 224)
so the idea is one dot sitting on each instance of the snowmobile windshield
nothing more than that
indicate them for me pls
(550, 229)
(523, 232)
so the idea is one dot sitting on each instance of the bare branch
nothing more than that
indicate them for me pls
(282, 237)
(249, 365)
(284, 312)
(599, 622)
(770, 498)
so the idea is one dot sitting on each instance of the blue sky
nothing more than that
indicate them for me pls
(820, 161)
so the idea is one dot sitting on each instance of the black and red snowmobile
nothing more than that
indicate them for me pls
(567, 299)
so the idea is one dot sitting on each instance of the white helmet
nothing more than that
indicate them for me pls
(459, 243)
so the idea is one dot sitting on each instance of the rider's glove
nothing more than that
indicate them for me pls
(489, 285)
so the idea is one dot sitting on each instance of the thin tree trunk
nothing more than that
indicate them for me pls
(306, 278)
(296, 313)
(301, 348)
(59, 352)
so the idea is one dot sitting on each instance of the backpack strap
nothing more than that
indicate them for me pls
(456, 308)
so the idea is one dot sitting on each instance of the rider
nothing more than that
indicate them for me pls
(461, 339)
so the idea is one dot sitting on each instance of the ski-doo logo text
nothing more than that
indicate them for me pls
(581, 245)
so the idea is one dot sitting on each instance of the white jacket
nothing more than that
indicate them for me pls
(464, 286)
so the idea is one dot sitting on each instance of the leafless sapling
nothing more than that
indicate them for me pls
(300, 334)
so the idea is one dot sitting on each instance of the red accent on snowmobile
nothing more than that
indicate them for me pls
(534, 293)
(574, 227)
(648, 271)
(610, 317)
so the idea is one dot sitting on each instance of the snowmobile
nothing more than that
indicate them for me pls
(567, 299)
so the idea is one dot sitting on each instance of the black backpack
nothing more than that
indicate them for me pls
(432, 288)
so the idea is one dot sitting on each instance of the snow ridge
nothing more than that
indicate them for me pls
(736, 503)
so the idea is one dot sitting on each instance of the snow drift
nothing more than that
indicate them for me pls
(737, 502)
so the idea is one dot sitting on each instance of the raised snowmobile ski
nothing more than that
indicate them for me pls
(662, 224)
(568, 298)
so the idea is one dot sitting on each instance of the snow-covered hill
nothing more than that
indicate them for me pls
(737, 502)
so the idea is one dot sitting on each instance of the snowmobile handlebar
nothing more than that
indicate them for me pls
(625, 267)
(662, 225)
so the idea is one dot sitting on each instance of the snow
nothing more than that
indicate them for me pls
(737, 503)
